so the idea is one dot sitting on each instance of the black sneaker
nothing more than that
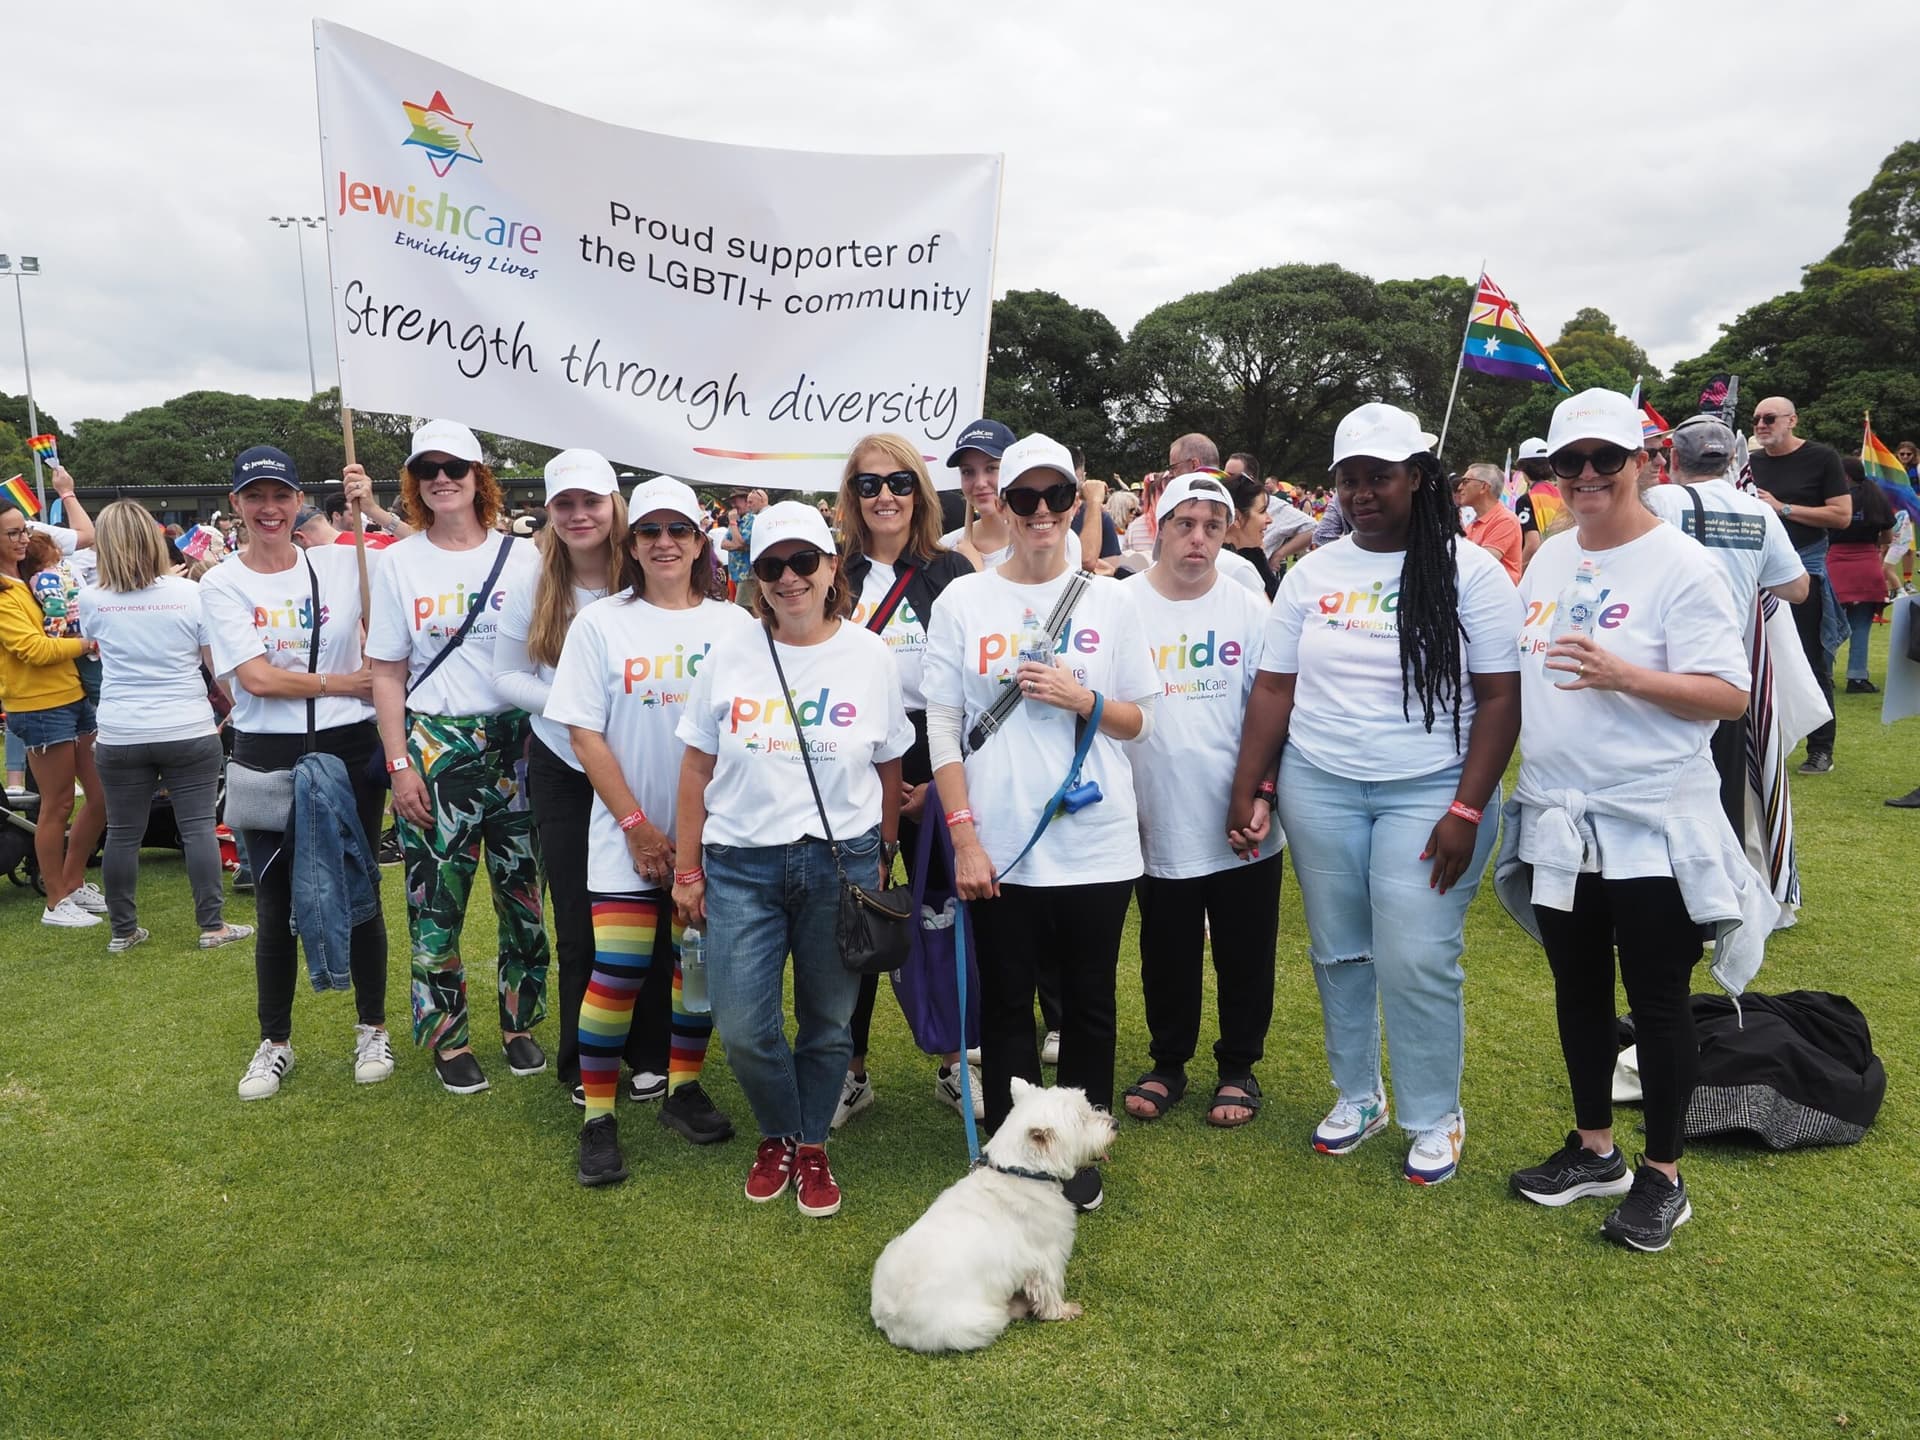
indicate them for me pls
(524, 1057)
(1572, 1173)
(1818, 762)
(390, 848)
(1862, 687)
(579, 1094)
(689, 1112)
(242, 882)
(645, 1085)
(1654, 1208)
(601, 1162)
(461, 1073)
(1085, 1189)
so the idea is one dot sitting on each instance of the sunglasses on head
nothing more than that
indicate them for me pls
(424, 470)
(1607, 460)
(675, 529)
(769, 568)
(1025, 502)
(900, 482)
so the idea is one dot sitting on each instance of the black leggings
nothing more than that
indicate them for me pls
(276, 952)
(1659, 945)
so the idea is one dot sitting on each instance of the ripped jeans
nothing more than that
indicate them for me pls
(1383, 939)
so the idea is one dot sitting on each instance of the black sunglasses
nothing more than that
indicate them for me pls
(424, 470)
(1607, 460)
(900, 482)
(1766, 418)
(676, 529)
(1024, 502)
(803, 563)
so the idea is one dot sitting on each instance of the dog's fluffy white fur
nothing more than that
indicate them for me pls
(993, 1247)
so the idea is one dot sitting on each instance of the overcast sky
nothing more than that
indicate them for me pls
(1670, 163)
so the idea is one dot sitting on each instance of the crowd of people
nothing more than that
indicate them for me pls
(672, 729)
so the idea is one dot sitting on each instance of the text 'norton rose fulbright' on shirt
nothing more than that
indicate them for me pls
(1335, 623)
(904, 634)
(421, 594)
(1207, 653)
(846, 696)
(150, 642)
(627, 672)
(250, 614)
(1662, 605)
(972, 654)
(527, 689)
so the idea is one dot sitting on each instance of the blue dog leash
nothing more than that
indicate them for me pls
(1053, 806)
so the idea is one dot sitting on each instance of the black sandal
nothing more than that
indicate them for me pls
(1249, 1102)
(1176, 1087)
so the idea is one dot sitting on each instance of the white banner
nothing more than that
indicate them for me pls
(730, 315)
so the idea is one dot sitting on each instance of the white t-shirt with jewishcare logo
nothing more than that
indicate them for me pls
(421, 594)
(528, 689)
(1207, 653)
(972, 654)
(1663, 605)
(250, 614)
(627, 672)
(846, 693)
(905, 632)
(151, 688)
(1335, 624)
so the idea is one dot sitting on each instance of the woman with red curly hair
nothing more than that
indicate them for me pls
(456, 749)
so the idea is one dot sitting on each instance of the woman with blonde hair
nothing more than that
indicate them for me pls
(157, 727)
(895, 568)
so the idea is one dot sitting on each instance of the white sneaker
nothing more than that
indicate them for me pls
(68, 916)
(372, 1055)
(973, 1056)
(120, 944)
(89, 899)
(947, 1089)
(1350, 1122)
(856, 1094)
(1050, 1048)
(269, 1065)
(1436, 1153)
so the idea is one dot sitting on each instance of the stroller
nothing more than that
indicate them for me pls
(19, 809)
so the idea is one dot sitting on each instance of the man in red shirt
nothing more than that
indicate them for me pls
(1494, 527)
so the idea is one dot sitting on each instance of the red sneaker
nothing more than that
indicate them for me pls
(813, 1183)
(772, 1168)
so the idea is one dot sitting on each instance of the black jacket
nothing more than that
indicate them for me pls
(925, 585)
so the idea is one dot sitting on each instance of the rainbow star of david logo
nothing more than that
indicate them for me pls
(445, 139)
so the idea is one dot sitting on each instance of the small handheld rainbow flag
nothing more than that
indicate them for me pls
(20, 495)
(47, 447)
(1498, 341)
(1884, 468)
(197, 541)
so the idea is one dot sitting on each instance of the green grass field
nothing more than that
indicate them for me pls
(392, 1260)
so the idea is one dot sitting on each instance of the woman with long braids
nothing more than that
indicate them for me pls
(1389, 698)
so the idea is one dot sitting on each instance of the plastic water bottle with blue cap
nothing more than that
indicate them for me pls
(1578, 607)
(693, 971)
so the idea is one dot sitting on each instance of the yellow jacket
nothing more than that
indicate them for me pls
(36, 671)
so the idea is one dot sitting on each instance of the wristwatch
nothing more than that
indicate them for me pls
(396, 765)
(1786, 511)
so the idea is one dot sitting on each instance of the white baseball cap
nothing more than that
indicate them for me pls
(1595, 415)
(1382, 431)
(586, 470)
(663, 492)
(790, 520)
(1030, 452)
(1532, 448)
(449, 437)
(1194, 485)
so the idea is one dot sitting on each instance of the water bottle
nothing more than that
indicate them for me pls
(1578, 607)
(693, 971)
(1034, 645)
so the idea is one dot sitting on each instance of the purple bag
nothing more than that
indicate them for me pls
(928, 985)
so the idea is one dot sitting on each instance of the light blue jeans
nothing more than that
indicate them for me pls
(1382, 937)
(764, 902)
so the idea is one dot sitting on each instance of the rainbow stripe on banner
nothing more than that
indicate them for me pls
(1499, 343)
(1884, 468)
(47, 447)
(779, 455)
(20, 495)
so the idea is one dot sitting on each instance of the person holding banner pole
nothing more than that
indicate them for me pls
(456, 749)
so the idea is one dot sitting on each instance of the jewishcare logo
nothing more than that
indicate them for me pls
(446, 140)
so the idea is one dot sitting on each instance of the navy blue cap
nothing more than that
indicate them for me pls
(263, 462)
(987, 436)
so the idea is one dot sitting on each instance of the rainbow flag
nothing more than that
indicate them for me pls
(1499, 343)
(21, 496)
(47, 447)
(1884, 468)
(1547, 504)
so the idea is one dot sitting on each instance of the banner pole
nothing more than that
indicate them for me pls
(339, 361)
(359, 521)
(1459, 361)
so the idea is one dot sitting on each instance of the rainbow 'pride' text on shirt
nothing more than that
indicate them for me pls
(1202, 654)
(678, 666)
(776, 711)
(459, 602)
(999, 647)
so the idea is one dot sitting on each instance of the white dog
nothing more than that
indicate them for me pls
(993, 1247)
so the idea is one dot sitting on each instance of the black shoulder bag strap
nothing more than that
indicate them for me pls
(313, 643)
(989, 723)
(890, 602)
(473, 614)
(800, 734)
(1699, 515)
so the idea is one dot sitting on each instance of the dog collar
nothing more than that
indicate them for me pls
(1023, 1174)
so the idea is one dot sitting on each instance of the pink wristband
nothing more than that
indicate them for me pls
(1465, 812)
(689, 877)
(959, 817)
(633, 821)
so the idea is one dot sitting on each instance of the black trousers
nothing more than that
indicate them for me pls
(1242, 906)
(276, 952)
(1807, 618)
(1646, 920)
(561, 798)
(1079, 927)
(1730, 759)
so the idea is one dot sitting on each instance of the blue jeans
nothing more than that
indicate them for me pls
(1381, 936)
(764, 902)
(1859, 637)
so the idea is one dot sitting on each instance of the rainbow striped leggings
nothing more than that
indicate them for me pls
(628, 931)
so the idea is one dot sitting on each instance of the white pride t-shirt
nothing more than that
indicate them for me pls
(846, 693)
(1207, 654)
(150, 685)
(1663, 606)
(251, 614)
(905, 632)
(1744, 537)
(1335, 624)
(420, 597)
(626, 672)
(528, 689)
(972, 654)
